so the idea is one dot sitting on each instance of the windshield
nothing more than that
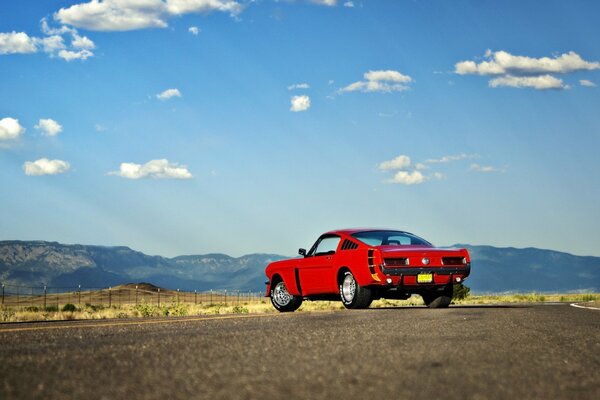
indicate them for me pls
(386, 238)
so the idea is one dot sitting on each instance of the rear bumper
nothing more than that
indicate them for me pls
(463, 271)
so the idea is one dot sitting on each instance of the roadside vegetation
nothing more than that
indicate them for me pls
(69, 311)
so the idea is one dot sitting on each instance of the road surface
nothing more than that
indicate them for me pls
(487, 352)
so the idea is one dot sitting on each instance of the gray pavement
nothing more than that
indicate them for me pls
(497, 352)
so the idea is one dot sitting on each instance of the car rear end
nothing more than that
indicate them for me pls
(421, 267)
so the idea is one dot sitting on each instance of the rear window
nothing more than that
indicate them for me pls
(389, 238)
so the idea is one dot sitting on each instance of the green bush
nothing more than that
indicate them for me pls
(69, 307)
(460, 292)
(147, 310)
(240, 310)
(53, 308)
(31, 309)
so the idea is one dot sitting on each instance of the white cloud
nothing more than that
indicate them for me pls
(69, 55)
(161, 169)
(16, 43)
(526, 72)
(380, 81)
(299, 86)
(408, 178)
(126, 15)
(504, 63)
(194, 30)
(10, 128)
(585, 82)
(169, 93)
(52, 44)
(542, 82)
(329, 3)
(82, 42)
(484, 168)
(349, 4)
(44, 166)
(300, 103)
(49, 127)
(400, 162)
(449, 158)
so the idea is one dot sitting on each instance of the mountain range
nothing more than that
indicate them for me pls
(494, 270)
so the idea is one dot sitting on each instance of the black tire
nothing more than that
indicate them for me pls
(438, 299)
(353, 295)
(282, 300)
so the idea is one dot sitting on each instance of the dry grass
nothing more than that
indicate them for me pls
(262, 305)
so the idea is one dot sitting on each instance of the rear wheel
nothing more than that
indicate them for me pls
(353, 295)
(438, 299)
(282, 300)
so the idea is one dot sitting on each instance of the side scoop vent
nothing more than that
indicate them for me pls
(349, 245)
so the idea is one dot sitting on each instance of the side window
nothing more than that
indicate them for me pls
(327, 245)
(399, 239)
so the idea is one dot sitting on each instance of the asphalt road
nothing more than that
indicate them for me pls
(541, 352)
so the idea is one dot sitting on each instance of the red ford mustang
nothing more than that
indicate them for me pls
(362, 265)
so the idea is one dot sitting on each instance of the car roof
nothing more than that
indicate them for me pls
(350, 231)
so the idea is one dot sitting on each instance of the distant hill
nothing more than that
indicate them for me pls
(494, 269)
(509, 269)
(34, 263)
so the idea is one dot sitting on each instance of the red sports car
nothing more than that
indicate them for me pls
(362, 265)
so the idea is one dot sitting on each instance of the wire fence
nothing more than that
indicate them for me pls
(46, 297)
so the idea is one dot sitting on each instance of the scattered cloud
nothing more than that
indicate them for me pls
(127, 15)
(329, 3)
(69, 55)
(408, 178)
(525, 72)
(300, 103)
(157, 169)
(53, 43)
(406, 172)
(485, 168)
(400, 162)
(10, 128)
(44, 166)
(299, 86)
(349, 4)
(49, 127)
(194, 30)
(542, 82)
(450, 158)
(17, 43)
(383, 81)
(99, 128)
(167, 94)
(587, 83)
(82, 42)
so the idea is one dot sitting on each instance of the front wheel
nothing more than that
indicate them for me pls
(353, 295)
(282, 300)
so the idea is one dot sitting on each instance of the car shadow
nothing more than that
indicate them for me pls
(461, 306)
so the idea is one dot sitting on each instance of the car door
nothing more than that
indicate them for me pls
(316, 270)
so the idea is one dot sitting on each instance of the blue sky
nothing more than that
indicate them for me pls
(195, 126)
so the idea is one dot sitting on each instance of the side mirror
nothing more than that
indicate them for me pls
(302, 252)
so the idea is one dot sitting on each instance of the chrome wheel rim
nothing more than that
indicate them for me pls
(348, 288)
(281, 296)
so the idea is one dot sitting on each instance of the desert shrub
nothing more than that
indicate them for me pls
(240, 310)
(461, 292)
(6, 315)
(53, 308)
(176, 308)
(69, 307)
(146, 310)
(31, 309)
